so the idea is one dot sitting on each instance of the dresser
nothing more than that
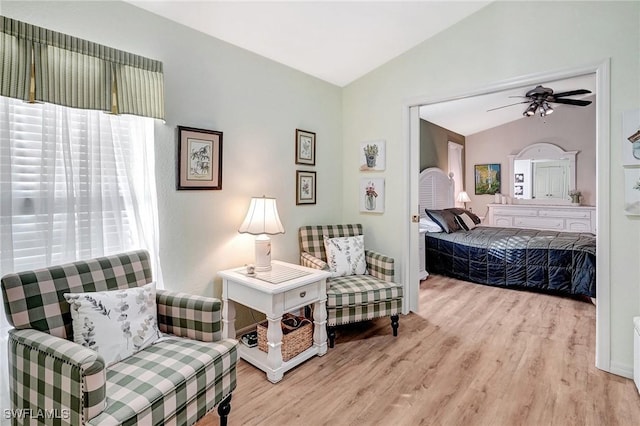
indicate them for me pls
(557, 218)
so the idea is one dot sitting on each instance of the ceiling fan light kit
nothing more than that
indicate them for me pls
(540, 97)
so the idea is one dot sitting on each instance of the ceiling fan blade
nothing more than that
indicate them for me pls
(571, 93)
(571, 102)
(504, 106)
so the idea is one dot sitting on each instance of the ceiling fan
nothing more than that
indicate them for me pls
(540, 97)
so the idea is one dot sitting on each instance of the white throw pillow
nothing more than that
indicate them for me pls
(115, 323)
(345, 255)
(429, 225)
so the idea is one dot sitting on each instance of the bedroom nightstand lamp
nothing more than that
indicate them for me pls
(463, 197)
(262, 220)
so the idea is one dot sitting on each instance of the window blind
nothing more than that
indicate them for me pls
(74, 184)
(37, 64)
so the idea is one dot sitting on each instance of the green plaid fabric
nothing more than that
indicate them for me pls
(356, 297)
(34, 299)
(379, 265)
(185, 315)
(313, 262)
(174, 381)
(49, 372)
(358, 290)
(310, 237)
(363, 312)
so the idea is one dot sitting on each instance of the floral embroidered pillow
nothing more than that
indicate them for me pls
(115, 323)
(345, 255)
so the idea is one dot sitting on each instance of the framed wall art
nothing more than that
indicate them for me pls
(305, 187)
(305, 147)
(487, 178)
(373, 156)
(631, 138)
(199, 159)
(372, 195)
(632, 191)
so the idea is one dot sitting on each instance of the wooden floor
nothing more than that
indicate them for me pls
(475, 355)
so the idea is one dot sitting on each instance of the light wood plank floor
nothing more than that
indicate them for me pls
(475, 355)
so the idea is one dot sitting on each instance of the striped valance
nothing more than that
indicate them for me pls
(37, 64)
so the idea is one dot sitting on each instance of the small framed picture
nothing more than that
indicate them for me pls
(373, 156)
(519, 177)
(372, 195)
(631, 138)
(305, 187)
(487, 178)
(305, 147)
(632, 191)
(199, 159)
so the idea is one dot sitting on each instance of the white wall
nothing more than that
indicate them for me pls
(570, 128)
(255, 102)
(496, 44)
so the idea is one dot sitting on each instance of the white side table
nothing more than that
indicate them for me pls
(306, 286)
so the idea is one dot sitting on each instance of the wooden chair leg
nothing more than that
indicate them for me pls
(224, 408)
(331, 334)
(394, 324)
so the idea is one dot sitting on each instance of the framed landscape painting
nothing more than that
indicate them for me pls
(487, 179)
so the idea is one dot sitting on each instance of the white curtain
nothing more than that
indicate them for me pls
(74, 184)
(455, 167)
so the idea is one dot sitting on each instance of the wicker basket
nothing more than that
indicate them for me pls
(294, 340)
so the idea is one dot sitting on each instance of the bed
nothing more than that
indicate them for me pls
(548, 261)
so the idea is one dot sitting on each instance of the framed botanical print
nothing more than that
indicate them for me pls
(305, 147)
(305, 187)
(199, 159)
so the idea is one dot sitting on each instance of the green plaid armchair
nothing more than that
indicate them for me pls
(54, 380)
(353, 298)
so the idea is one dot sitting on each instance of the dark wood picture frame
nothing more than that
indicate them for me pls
(305, 147)
(305, 187)
(199, 162)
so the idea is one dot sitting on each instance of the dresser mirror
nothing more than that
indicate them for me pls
(542, 173)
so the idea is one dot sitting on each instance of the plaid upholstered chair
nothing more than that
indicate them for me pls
(358, 297)
(54, 380)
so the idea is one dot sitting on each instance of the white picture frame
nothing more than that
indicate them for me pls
(372, 195)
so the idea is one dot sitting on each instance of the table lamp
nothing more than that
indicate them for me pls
(463, 197)
(262, 220)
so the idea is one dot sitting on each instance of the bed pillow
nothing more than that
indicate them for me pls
(458, 211)
(465, 221)
(345, 255)
(445, 219)
(116, 323)
(429, 225)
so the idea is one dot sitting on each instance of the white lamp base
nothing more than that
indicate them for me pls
(263, 253)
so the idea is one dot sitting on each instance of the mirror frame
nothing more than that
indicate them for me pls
(543, 151)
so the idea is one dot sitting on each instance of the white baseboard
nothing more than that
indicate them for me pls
(624, 370)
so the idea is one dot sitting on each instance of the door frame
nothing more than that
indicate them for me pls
(411, 134)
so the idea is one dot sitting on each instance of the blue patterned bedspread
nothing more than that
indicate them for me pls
(550, 261)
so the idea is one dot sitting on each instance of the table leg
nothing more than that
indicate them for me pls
(320, 326)
(274, 347)
(228, 319)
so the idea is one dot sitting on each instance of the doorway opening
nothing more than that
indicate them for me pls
(600, 71)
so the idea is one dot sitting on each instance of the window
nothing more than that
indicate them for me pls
(74, 184)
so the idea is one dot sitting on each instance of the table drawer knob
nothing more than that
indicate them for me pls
(303, 293)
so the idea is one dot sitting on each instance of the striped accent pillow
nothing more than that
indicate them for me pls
(465, 222)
